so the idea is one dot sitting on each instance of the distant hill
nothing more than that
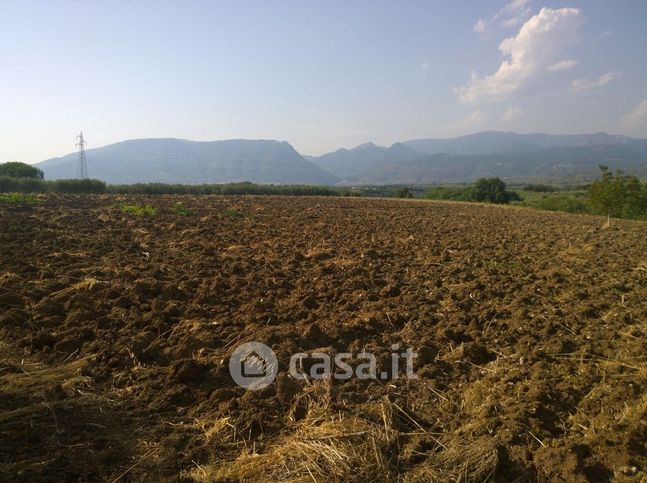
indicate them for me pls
(538, 157)
(346, 164)
(554, 165)
(181, 161)
(491, 142)
(511, 156)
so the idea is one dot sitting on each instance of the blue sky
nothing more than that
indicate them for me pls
(319, 74)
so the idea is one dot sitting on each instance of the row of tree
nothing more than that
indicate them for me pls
(24, 178)
(617, 195)
(485, 190)
(244, 188)
(9, 184)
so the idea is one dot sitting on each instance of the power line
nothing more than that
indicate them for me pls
(81, 168)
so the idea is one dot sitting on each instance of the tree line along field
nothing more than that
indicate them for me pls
(118, 314)
(616, 195)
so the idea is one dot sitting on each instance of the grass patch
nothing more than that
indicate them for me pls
(570, 201)
(19, 198)
(138, 210)
(181, 210)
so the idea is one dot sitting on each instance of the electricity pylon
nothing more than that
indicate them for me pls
(81, 168)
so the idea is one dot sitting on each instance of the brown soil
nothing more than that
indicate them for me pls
(115, 332)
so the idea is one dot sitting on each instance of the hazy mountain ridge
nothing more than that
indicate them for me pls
(537, 156)
(349, 163)
(181, 161)
(555, 165)
(490, 142)
(541, 157)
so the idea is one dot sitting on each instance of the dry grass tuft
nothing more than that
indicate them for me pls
(85, 284)
(329, 444)
(33, 381)
(458, 461)
(220, 430)
(36, 382)
(316, 395)
(24, 411)
(324, 445)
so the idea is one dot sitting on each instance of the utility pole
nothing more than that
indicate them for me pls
(82, 168)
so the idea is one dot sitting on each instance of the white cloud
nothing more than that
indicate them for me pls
(562, 65)
(479, 26)
(512, 114)
(535, 47)
(425, 65)
(511, 15)
(637, 117)
(580, 85)
(514, 21)
(467, 123)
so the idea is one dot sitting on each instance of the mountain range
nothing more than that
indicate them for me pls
(192, 162)
(511, 156)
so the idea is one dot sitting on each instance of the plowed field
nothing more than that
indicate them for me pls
(116, 330)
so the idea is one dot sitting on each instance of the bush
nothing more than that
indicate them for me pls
(540, 188)
(404, 193)
(243, 188)
(565, 203)
(156, 189)
(93, 186)
(454, 193)
(22, 185)
(29, 185)
(619, 195)
(490, 190)
(20, 170)
(33, 185)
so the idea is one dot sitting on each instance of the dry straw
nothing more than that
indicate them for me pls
(36, 381)
(332, 444)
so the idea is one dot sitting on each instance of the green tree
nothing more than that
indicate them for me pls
(404, 193)
(492, 190)
(15, 169)
(620, 195)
